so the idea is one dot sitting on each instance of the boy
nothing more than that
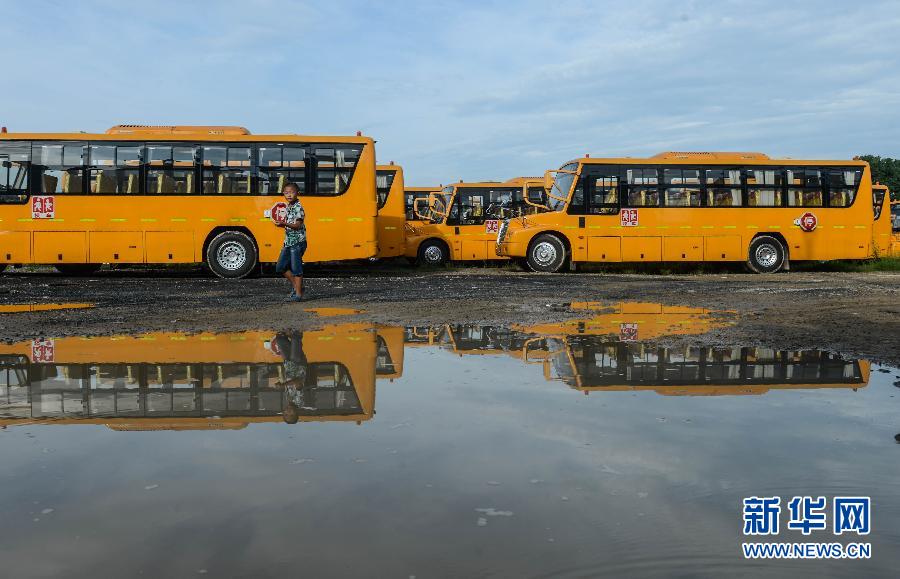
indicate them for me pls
(290, 262)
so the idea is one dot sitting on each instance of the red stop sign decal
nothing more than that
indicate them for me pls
(807, 221)
(279, 212)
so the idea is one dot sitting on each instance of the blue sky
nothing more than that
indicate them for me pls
(471, 90)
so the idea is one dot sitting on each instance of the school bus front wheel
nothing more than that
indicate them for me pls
(547, 253)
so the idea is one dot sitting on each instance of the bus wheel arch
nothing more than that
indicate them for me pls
(548, 251)
(433, 251)
(231, 252)
(767, 253)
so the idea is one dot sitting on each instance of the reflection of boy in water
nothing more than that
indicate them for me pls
(297, 394)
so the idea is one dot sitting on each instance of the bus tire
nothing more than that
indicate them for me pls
(77, 268)
(232, 255)
(433, 252)
(766, 255)
(546, 253)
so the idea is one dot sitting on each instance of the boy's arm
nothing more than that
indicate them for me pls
(298, 223)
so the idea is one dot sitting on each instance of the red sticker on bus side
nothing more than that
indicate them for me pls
(42, 350)
(491, 226)
(628, 331)
(43, 207)
(629, 218)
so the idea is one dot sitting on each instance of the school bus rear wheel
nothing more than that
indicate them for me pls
(232, 254)
(547, 253)
(766, 254)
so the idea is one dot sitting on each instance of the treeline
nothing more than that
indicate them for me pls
(885, 171)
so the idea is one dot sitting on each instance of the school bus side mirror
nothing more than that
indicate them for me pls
(548, 180)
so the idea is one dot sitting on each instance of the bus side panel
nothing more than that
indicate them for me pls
(170, 247)
(60, 247)
(641, 248)
(683, 249)
(604, 249)
(15, 246)
(724, 248)
(116, 247)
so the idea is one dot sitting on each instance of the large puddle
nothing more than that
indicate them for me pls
(456, 450)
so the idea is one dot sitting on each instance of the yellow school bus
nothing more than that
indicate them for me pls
(882, 193)
(465, 218)
(180, 194)
(417, 202)
(391, 222)
(693, 207)
(167, 380)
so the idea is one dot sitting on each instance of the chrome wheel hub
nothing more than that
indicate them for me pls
(544, 253)
(231, 255)
(766, 255)
(433, 254)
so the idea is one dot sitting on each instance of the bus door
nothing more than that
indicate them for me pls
(597, 202)
(474, 219)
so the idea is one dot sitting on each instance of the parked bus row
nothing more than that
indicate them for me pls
(167, 380)
(181, 194)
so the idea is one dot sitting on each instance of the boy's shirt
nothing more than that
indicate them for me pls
(295, 213)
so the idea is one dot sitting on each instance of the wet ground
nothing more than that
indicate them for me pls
(855, 313)
(464, 424)
(584, 447)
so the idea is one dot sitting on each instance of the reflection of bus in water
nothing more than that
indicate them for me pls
(177, 381)
(389, 352)
(593, 363)
(609, 351)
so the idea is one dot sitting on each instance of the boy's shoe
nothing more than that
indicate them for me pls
(295, 298)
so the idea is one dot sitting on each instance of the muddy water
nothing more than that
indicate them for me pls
(576, 449)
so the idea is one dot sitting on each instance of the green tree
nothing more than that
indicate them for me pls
(885, 171)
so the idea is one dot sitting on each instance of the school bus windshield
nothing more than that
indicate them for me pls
(561, 186)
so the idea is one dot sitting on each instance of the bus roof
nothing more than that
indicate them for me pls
(514, 182)
(711, 158)
(434, 189)
(181, 133)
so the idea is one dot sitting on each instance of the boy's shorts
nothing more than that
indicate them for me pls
(291, 258)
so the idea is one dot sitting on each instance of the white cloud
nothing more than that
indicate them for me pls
(473, 90)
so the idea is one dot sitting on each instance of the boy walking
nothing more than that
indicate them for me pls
(290, 262)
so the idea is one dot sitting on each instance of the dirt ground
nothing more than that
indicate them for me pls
(856, 314)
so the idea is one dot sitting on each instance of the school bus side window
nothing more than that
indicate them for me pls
(115, 169)
(333, 166)
(170, 170)
(804, 187)
(682, 187)
(643, 187)
(59, 167)
(723, 187)
(226, 170)
(842, 186)
(14, 167)
(278, 165)
(764, 187)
